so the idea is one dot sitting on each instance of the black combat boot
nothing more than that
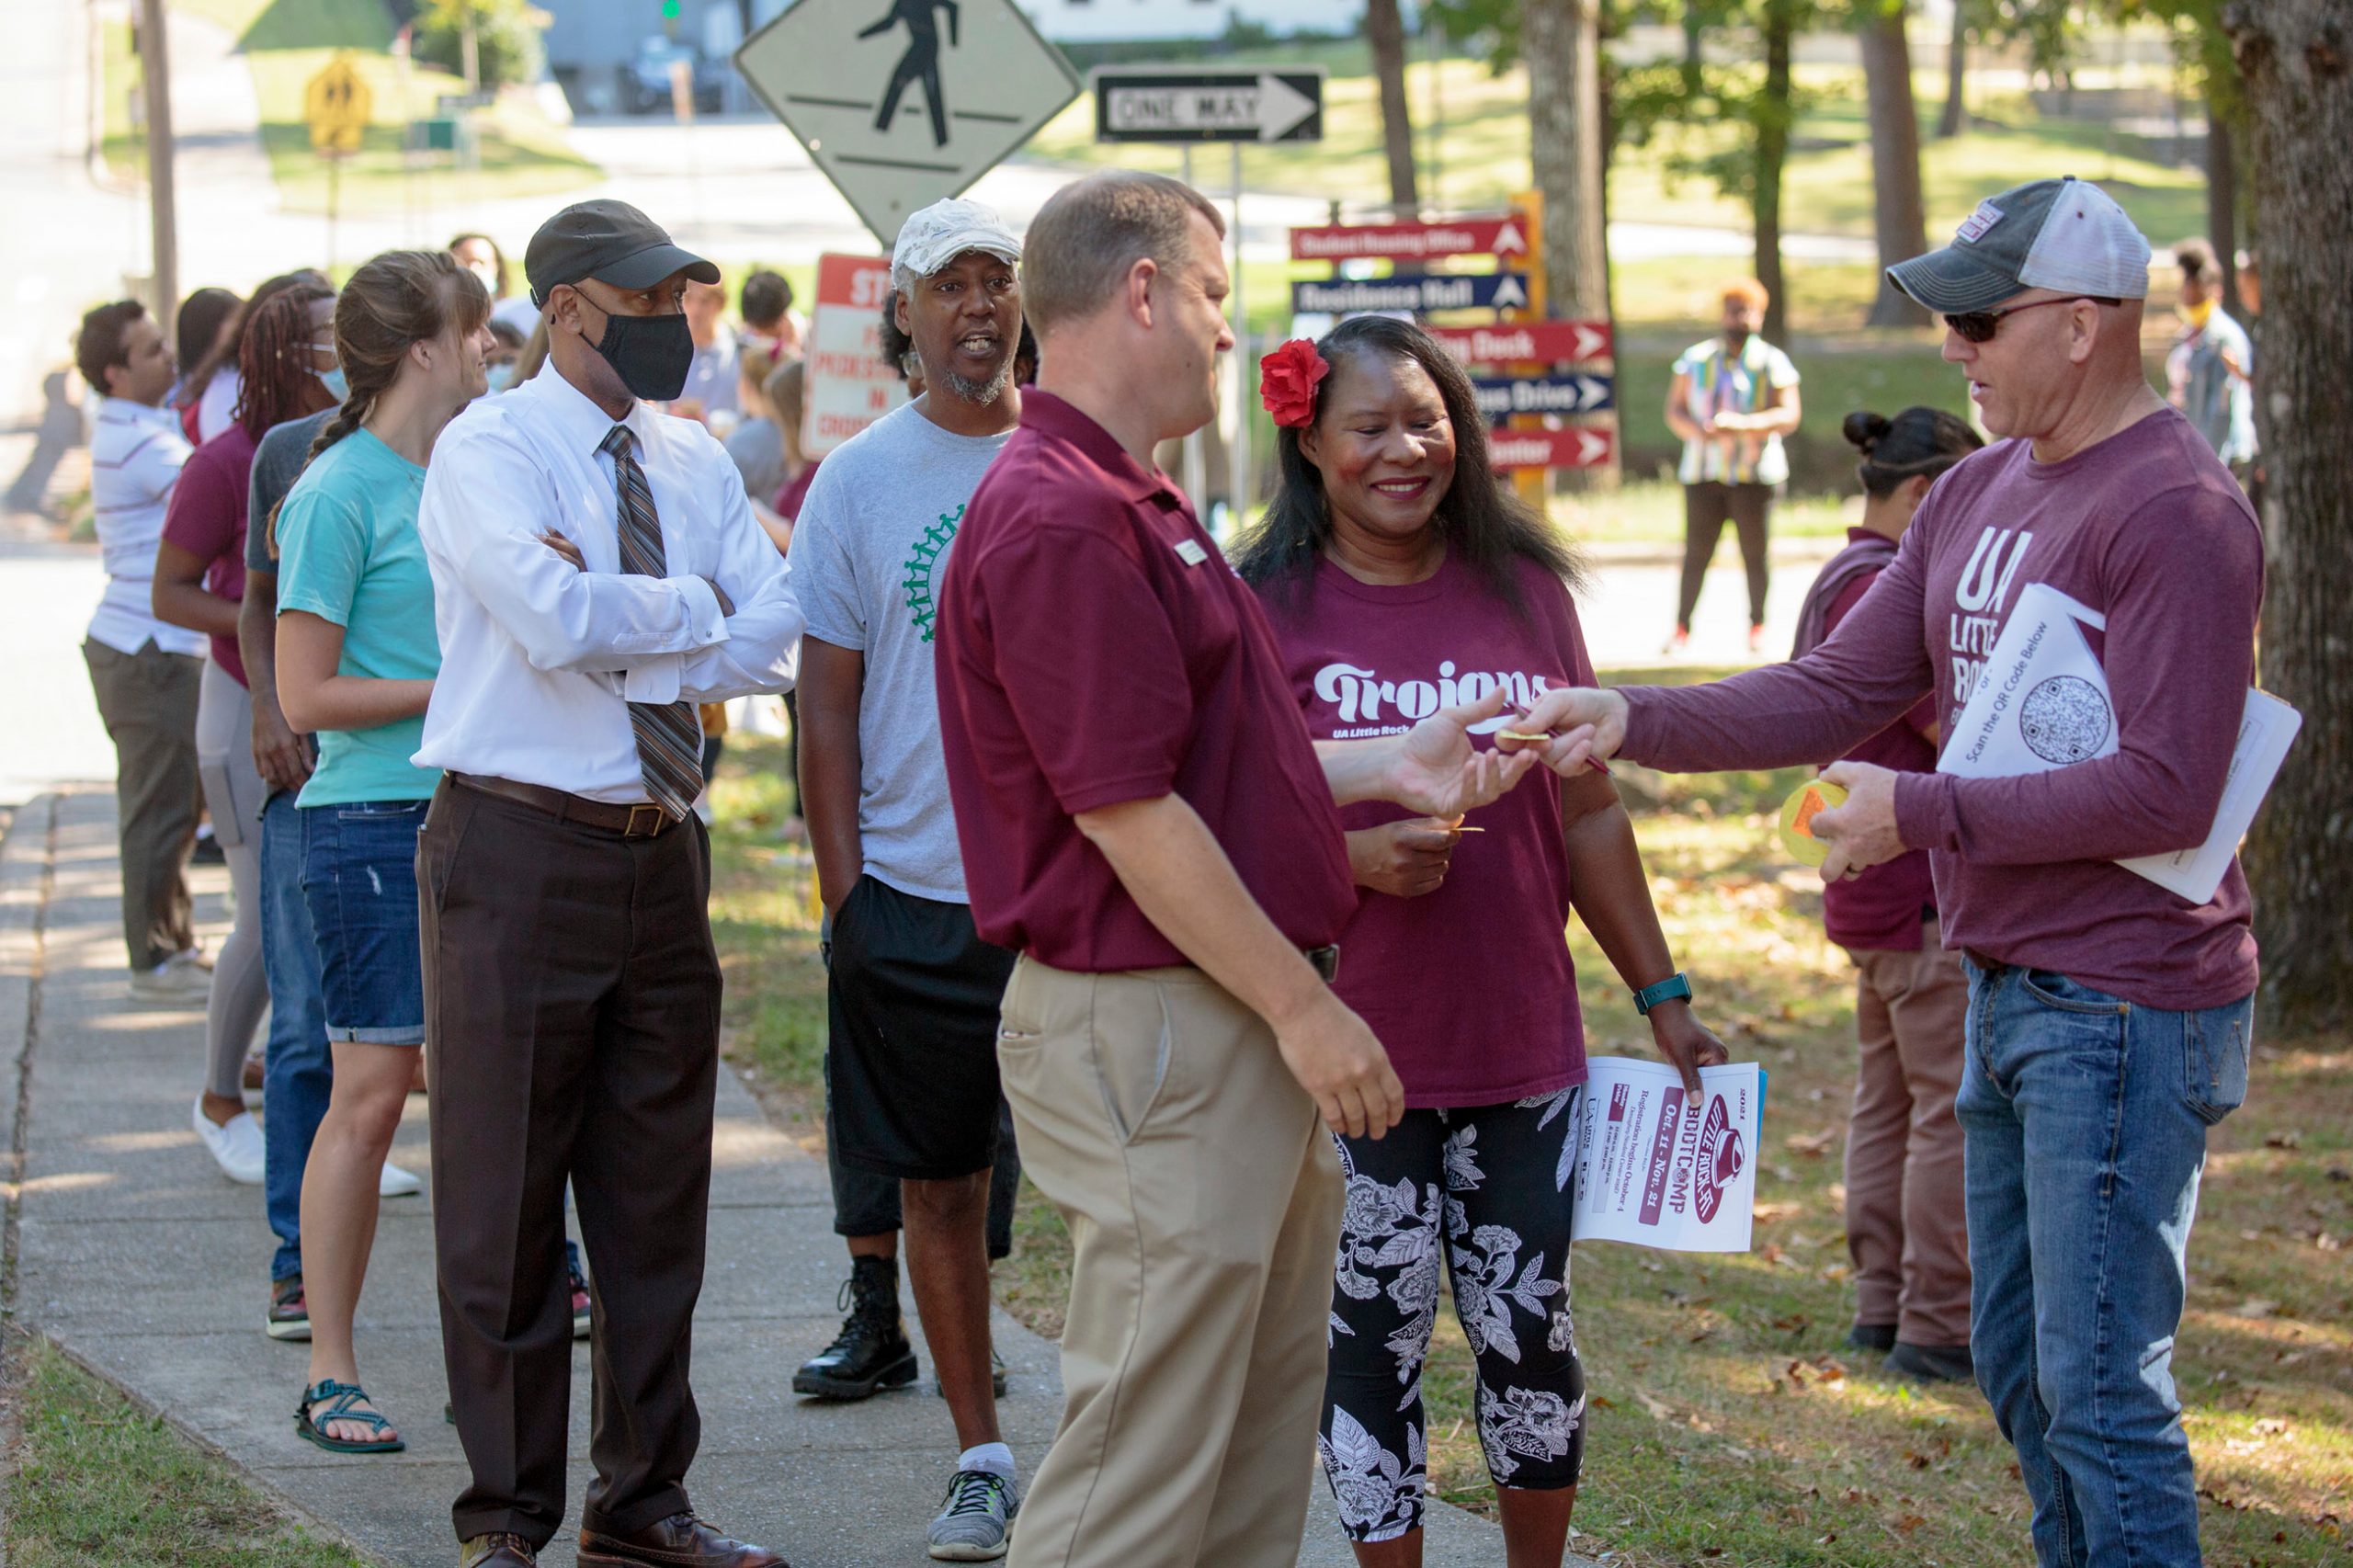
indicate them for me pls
(872, 1351)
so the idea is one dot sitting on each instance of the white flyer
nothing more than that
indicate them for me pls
(1655, 1170)
(2043, 703)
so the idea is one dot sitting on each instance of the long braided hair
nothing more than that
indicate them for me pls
(221, 353)
(275, 381)
(400, 297)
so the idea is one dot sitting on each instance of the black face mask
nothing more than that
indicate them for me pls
(652, 354)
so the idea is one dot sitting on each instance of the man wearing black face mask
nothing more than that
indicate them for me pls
(597, 572)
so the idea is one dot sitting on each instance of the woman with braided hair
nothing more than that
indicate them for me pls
(357, 656)
(1904, 1229)
(200, 580)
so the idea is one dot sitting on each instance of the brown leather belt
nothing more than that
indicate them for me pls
(644, 819)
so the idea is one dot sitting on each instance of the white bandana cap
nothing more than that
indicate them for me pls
(940, 232)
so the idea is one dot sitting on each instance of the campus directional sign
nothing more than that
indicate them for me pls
(1535, 342)
(903, 102)
(1503, 235)
(1500, 397)
(1146, 104)
(1581, 447)
(1432, 291)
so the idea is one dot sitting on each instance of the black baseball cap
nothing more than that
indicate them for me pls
(610, 240)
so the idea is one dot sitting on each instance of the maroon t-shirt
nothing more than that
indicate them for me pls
(1883, 909)
(207, 519)
(2148, 528)
(1470, 988)
(1094, 647)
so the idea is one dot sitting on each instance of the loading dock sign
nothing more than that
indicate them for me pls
(903, 102)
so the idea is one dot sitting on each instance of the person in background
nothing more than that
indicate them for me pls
(911, 1074)
(1391, 548)
(1905, 1231)
(757, 441)
(505, 348)
(711, 377)
(480, 254)
(898, 350)
(786, 391)
(764, 303)
(145, 672)
(208, 397)
(200, 580)
(2110, 1020)
(2210, 370)
(1733, 398)
(298, 1071)
(356, 659)
(533, 356)
(206, 318)
(597, 572)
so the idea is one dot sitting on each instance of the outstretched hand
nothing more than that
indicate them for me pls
(1437, 772)
(1581, 727)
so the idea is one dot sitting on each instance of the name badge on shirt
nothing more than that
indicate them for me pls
(1191, 553)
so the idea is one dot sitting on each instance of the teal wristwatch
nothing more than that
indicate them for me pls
(1676, 987)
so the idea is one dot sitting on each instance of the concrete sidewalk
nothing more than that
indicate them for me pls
(137, 1257)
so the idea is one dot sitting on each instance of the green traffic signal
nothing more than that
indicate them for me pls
(669, 10)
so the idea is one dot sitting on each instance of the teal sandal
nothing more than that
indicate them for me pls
(338, 1400)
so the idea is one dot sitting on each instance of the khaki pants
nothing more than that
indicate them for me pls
(1203, 1199)
(1905, 1230)
(148, 701)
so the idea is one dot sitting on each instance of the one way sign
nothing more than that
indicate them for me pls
(1145, 105)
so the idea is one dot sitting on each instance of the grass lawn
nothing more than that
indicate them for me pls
(286, 42)
(99, 1481)
(1727, 1427)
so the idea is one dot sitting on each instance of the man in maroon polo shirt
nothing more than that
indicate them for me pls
(1143, 817)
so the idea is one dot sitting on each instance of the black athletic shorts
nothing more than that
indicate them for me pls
(911, 997)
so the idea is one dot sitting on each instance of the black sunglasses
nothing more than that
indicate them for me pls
(1979, 326)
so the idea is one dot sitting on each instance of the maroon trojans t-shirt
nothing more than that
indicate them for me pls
(1469, 988)
(1093, 648)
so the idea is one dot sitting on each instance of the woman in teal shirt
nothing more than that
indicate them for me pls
(357, 656)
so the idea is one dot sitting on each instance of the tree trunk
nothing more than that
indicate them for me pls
(1773, 117)
(1899, 213)
(2296, 59)
(1384, 31)
(1956, 113)
(1563, 52)
(2223, 201)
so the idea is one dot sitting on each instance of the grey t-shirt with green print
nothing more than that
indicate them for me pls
(870, 550)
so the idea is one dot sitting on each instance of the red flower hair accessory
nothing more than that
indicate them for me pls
(1287, 381)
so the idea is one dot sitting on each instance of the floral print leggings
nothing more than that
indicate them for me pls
(1487, 1184)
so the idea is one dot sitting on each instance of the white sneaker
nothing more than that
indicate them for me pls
(235, 1148)
(395, 1182)
(180, 979)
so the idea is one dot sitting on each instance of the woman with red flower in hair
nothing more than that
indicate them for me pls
(1400, 577)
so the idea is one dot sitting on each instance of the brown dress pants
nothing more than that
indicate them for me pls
(1203, 1199)
(148, 701)
(571, 1030)
(1905, 1231)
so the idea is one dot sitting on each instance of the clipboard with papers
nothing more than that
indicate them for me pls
(2043, 703)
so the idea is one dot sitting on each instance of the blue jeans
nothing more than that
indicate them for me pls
(298, 1074)
(2085, 1123)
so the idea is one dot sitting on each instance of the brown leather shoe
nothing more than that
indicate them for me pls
(679, 1541)
(499, 1551)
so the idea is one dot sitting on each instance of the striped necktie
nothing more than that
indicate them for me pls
(669, 735)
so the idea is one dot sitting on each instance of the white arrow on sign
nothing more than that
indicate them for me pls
(1591, 340)
(1592, 446)
(1269, 106)
(1590, 392)
(1509, 295)
(1509, 241)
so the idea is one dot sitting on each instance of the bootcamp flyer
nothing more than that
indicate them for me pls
(1659, 1172)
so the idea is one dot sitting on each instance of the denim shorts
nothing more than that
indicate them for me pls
(359, 878)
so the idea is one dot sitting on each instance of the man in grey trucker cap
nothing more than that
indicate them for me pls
(2108, 1018)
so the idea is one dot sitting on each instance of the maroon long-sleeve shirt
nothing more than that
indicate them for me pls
(2148, 528)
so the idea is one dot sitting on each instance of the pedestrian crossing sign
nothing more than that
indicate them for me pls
(903, 102)
(336, 102)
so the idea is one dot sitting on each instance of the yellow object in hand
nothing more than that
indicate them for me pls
(1797, 819)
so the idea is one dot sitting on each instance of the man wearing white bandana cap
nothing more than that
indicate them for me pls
(912, 991)
(2109, 1022)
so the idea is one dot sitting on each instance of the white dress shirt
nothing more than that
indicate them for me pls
(538, 662)
(136, 453)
